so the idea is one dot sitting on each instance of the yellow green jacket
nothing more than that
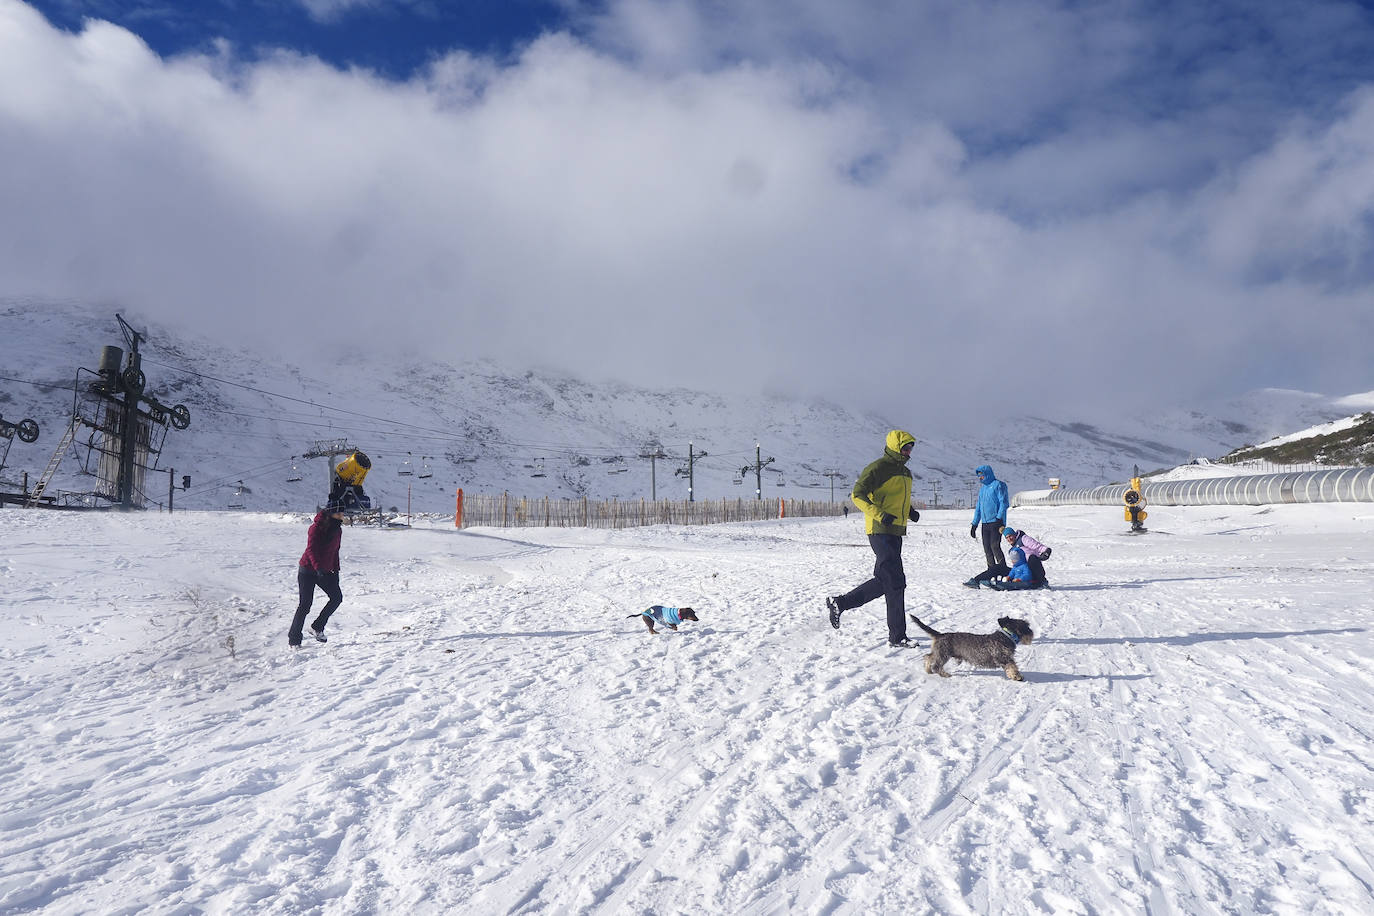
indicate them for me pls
(884, 488)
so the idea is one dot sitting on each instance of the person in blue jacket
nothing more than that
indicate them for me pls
(989, 516)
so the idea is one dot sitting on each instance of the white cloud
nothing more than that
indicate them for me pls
(1305, 205)
(686, 215)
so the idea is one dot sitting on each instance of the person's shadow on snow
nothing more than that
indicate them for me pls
(530, 634)
(1134, 583)
(1049, 677)
(1188, 639)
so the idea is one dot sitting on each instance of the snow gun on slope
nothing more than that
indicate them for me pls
(346, 490)
(1134, 498)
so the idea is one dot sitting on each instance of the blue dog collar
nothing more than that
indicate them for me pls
(1008, 636)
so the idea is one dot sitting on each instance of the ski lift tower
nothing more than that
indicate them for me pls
(345, 477)
(129, 423)
(689, 470)
(331, 449)
(834, 475)
(653, 457)
(757, 467)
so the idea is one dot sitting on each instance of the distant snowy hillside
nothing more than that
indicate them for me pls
(1348, 441)
(1088, 455)
(488, 428)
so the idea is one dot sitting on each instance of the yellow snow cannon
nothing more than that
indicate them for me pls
(354, 468)
(1134, 498)
(346, 490)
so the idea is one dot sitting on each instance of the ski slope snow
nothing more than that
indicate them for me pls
(487, 732)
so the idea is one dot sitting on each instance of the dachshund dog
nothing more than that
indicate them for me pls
(668, 616)
(991, 650)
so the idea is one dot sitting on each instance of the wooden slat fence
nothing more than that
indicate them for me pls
(505, 511)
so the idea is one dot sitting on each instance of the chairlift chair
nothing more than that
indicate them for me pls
(236, 501)
(737, 480)
(425, 470)
(538, 468)
(405, 470)
(294, 476)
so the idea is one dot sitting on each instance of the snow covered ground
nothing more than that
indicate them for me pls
(486, 732)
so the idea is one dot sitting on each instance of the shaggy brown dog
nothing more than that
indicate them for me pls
(991, 650)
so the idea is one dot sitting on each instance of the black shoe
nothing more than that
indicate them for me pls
(906, 642)
(835, 612)
(971, 583)
(319, 635)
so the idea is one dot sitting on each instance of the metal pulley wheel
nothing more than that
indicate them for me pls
(134, 380)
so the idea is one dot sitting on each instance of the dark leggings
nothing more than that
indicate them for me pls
(992, 544)
(889, 581)
(307, 579)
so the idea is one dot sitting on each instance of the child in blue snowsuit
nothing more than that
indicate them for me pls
(1018, 577)
(1036, 553)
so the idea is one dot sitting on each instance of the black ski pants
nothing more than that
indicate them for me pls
(307, 580)
(992, 545)
(889, 581)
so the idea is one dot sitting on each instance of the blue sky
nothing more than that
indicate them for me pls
(871, 201)
(393, 37)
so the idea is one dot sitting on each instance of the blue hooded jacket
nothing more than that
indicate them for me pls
(992, 498)
(1020, 571)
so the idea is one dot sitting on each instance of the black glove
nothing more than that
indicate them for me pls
(888, 518)
(914, 516)
(1001, 523)
(973, 531)
(1046, 554)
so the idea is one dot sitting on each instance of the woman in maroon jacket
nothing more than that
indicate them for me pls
(319, 567)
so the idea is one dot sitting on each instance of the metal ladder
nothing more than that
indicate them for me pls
(53, 463)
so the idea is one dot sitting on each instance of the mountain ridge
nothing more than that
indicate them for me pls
(488, 428)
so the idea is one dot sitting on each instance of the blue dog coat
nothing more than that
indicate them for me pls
(664, 615)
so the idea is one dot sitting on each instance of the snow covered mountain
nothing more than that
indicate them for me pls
(1089, 455)
(488, 428)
